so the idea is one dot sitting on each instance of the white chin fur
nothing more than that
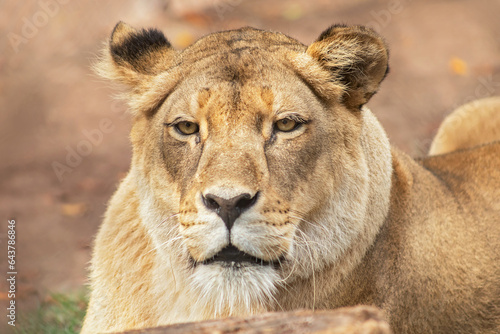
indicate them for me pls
(230, 291)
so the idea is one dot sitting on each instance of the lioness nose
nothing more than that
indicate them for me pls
(229, 209)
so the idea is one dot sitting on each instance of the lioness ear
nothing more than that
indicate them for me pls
(132, 55)
(356, 57)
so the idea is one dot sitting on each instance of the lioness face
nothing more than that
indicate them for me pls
(238, 160)
(246, 155)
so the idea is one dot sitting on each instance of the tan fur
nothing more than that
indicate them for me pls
(475, 123)
(347, 219)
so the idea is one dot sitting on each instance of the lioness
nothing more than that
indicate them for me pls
(259, 181)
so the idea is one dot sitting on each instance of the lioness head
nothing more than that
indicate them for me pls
(256, 163)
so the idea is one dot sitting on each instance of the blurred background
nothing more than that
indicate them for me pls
(59, 164)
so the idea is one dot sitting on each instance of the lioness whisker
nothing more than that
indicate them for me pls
(312, 270)
(165, 243)
(312, 224)
(164, 220)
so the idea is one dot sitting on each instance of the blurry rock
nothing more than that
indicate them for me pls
(352, 320)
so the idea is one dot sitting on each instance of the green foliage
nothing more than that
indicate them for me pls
(58, 314)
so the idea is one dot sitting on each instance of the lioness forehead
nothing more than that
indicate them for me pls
(240, 56)
(238, 73)
(236, 41)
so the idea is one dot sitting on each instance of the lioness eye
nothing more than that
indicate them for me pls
(286, 124)
(187, 128)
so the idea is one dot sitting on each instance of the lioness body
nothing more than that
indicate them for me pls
(229, 210)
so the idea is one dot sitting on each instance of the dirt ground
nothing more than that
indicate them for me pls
(60, 163)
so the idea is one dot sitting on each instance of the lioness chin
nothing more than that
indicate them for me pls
(260, 182)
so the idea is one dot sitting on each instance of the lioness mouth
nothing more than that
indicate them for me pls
(230, 255)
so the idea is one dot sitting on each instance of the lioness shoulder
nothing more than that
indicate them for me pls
(261, 182)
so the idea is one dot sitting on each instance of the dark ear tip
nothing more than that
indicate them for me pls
(135, 46)
(126, 34)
